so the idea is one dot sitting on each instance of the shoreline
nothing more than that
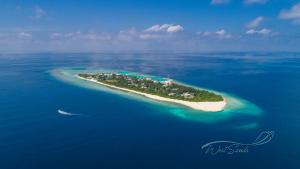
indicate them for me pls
(203, 106)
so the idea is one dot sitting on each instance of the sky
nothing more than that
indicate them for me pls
(154, 25)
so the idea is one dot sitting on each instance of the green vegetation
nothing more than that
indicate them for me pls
(168, 89)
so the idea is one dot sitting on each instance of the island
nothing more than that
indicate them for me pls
(163, 90)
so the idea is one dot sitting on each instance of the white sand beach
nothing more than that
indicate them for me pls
(204, 106)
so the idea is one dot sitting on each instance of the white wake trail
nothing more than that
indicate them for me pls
(66, 113)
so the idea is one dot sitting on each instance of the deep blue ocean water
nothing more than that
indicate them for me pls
(117, 132)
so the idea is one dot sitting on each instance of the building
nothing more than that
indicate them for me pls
(168, 82)
(187, 95)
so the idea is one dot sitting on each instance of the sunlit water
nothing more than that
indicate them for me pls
(49, 119)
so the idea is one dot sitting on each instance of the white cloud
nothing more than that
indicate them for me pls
(55, 35)
(263, 31)
(174, 29)
(163, 32)
(128, 35)
(157, 32)
(206, 33)
(250, 2)
(219, 34)
(72, 35)
(96, 37)
(291, 14)
(89, 41)
(24, 35)
(255, 23)
(222, 34)
(158, 28)
(149, 36)
(92, 36)
(251, 32)
(38, 13)
(247, 2)
(170, 28)
(219, 2)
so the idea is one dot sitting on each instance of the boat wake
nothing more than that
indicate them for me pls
(67, 113)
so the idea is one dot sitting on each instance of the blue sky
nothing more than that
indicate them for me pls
(190, 25)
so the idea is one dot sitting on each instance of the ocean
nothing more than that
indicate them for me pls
(49, 121)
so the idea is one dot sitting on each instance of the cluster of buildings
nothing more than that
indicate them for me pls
(142, 85)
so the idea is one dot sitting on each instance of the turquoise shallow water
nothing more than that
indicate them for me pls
(235, 105)
(138, 75)
(101, 128)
